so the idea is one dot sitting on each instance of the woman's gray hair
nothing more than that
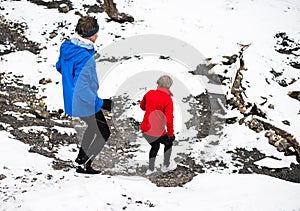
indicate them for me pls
(165, 81)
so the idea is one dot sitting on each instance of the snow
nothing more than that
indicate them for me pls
(211, 191)
(200, 193)
(64, 130)
(213, 28)
(15, 156)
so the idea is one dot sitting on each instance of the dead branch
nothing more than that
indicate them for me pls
(112, 11)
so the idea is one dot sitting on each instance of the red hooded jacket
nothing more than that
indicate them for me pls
(158, 105)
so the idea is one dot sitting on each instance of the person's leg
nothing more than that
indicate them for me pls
(167, 150)
(152, 154)
(153, 151)
(87, 139)
(102, 132)
(99, 131)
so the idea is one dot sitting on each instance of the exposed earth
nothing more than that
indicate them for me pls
(20, 108)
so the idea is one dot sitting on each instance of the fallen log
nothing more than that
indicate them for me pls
(281, 145)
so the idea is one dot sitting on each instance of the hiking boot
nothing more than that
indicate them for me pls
(87, 170)
(82, 158)
(150, 172)
(170, 167)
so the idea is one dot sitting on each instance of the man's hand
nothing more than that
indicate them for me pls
(107, 104)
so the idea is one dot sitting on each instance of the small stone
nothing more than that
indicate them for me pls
(282, 145)
(2, 176)
(268, 134)
(52, 35)
(294, 94)
(286, 122)
(50, 146)
(45, 81)
(3, 100)
(42, 103)
(49, 176)
(63, 8)
(41, 114)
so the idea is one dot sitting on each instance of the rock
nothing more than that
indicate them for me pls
(273, 139)
(52, 35)
(230, 59)
(255, 125)
(295, 65)
(286, 122)
(268, 134)
(278, 146)
(231, 120)
(271, 106)
(283, 145)
(3, 100)
(13, 39)
(2, 176)
(294, 94)
(94, 8)
(257, 111)
(298, 159)
(42, 103)
(63, 8)
(49, 176)
(45, 81)
(41, 113)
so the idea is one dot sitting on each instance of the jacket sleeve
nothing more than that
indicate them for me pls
(143, 103)
(58, 65)
(169, 109)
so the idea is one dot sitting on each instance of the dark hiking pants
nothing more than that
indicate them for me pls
(95, 135)
(155, 144)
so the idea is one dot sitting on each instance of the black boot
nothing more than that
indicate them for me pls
(82, 157)
(87, 169)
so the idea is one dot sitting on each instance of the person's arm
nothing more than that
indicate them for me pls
(143, 103)
(169, 109)
(58, 65)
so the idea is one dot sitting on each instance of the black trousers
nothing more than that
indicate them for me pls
(96, 134)
(155, 145)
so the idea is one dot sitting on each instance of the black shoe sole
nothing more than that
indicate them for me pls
(81, 170)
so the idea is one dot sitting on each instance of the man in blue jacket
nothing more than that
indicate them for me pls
(77, 66)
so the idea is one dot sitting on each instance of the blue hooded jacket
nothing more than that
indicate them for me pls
(77, 65)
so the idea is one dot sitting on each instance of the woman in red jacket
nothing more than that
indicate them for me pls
(159, 109)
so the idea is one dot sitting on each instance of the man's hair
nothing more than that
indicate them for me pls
(87, 26)
(165, 81)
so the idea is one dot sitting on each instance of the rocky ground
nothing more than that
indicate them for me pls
(21, 108)
(120, 148)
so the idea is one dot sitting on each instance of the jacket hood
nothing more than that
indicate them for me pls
(71, 48)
